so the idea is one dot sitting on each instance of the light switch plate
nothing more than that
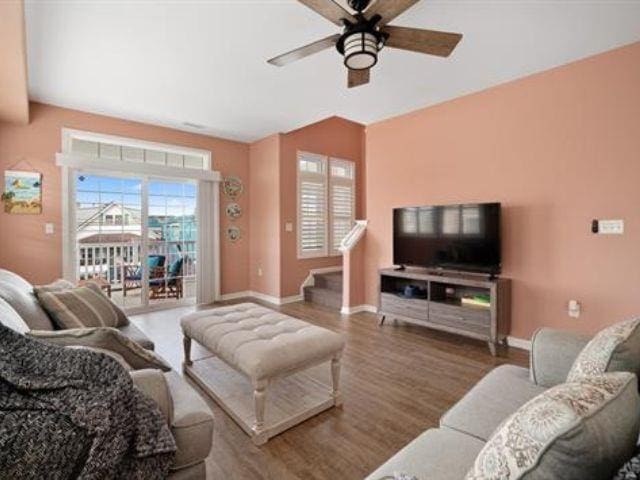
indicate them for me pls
(611, 227)
(48, 228)
(288, 227)
(574, 308)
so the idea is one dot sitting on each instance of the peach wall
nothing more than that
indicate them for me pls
(26, 249)
(557, 149)
(14, 99)
(334, 137)
(264, 212)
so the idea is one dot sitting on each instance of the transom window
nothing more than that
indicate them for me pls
(119, 149)
(326, 203)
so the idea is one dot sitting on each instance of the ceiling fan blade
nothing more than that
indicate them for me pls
(329, 10)
(358, 77)
(422, 41)
(389, 9)
(298, 53)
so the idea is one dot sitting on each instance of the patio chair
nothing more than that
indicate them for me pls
(169, 286)
(133, 273)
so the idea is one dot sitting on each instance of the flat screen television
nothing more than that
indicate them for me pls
(453, 237)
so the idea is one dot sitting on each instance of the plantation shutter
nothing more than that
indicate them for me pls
(342, 200)
(326, 204)
(312, 205)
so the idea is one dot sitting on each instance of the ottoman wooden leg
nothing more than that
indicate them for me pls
(186, 343)
(259, 401)
(335, 377)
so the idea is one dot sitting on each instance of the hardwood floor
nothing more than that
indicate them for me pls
(397, 381)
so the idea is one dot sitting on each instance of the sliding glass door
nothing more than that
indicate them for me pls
(173, 234)
(137, 238)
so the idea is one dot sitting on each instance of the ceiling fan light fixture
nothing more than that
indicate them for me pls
(360, 50)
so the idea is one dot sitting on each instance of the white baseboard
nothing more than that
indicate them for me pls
(235, 295)
(291, 299)
(519, 343)
(358, 309)
(261, 296)
(265, 298)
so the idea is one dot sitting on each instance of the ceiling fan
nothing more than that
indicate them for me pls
(366, 32)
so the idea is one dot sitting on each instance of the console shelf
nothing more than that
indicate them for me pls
(439, 301)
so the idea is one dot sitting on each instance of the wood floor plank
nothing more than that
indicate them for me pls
(397, 381)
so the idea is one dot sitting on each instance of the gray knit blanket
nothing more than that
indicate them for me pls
(67, 413)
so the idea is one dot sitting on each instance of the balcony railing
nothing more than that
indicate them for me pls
(113, 261)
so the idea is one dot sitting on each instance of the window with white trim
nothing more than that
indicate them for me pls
(119, 149)
(326, 204)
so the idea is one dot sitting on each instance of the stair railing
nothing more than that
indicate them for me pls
(352, 266)
(352, 238)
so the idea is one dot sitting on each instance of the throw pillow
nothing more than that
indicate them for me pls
(614, 349)
(109, 353)
(55, 286)
(575, 431)
(106, 338)
(84, 306)
(10, 318)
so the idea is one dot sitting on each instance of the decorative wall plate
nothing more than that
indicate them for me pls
(234, 233)
(232, 187)
(234, 211)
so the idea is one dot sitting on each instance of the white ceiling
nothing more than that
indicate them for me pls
(204, 62)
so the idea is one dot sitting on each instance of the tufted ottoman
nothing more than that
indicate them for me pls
(271, 350)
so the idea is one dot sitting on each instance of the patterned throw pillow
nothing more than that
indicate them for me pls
(78, 307)
(55, 286)
(614, 349)
(105, 338)
(583, 430)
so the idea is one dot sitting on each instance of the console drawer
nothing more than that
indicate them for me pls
(476, 320)
(408, 307)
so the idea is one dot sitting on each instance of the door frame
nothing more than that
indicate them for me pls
(72, 164)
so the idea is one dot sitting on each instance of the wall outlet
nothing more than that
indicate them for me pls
(611, 227)
(288, 227)
(259, 271)
(574, 308)
(49, 228)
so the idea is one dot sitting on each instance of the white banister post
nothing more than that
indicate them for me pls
(352, 266)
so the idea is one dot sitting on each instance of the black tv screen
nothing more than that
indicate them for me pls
(456, 237)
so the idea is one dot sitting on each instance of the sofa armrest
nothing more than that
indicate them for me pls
(154, 384)
(552, 355)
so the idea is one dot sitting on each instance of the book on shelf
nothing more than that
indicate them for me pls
(477, 301)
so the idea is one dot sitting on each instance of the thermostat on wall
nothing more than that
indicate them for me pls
(608, 227)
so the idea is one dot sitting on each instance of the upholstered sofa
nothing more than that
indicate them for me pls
(18, 293)
(188, 416)
(449, 452)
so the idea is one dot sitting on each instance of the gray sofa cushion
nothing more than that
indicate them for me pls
(614, 349)
(575, 431)
(437, 454)
(552, 355)
(192, 425)
(153, 383)
(18, 293)
(501, 392)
